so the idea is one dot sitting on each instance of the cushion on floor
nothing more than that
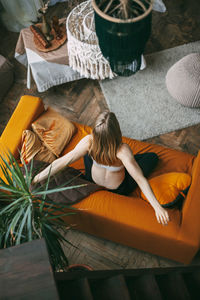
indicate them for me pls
(183, 80)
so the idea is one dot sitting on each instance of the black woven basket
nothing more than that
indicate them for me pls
(122, 42)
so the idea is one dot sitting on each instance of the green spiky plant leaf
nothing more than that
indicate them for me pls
(26, 212)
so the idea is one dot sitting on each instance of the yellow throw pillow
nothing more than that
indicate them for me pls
(32, 148)
(54, 130)
(169, 188)
(31, 145)
(45, 155)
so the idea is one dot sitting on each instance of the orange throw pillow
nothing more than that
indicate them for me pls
(32, 148)
(169, 188)
(54, 130)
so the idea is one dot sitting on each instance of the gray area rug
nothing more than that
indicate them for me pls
(142, 103)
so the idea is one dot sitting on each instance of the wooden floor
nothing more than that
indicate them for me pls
(83, 100)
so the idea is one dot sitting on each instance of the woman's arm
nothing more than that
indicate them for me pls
(126, 156)
(60, 163)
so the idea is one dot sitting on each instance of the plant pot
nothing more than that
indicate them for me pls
(122, 42)
(78, 267)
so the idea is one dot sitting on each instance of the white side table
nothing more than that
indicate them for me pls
(48, 69)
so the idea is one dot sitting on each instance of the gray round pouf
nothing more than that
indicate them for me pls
(183, 80)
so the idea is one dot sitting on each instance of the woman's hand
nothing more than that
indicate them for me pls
(34, 181)
(62, 162)
(162, 215)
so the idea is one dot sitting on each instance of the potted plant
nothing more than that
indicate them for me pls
(27, 213)
(78, 267)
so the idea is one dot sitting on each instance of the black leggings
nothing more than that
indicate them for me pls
(146, 161)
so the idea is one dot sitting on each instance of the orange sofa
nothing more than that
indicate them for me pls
(127, 220)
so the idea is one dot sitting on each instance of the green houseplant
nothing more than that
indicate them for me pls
(27, 213)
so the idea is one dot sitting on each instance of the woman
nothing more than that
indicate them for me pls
(111, 163)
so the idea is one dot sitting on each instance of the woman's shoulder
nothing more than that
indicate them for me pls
(84, 143)
(124, 147)
(123, 150)
(87, 139)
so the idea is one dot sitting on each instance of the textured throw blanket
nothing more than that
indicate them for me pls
(68, 177)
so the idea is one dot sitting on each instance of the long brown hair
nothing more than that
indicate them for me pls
(107, 138)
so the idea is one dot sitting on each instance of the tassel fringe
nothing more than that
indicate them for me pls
(84, 53)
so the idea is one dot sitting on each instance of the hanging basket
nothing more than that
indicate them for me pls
(83, 49)
(123, 32)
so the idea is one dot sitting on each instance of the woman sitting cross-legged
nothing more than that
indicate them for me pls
(110, 163)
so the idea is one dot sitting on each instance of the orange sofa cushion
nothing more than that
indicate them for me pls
(169, 188)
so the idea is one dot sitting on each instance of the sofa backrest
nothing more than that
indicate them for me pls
(28, 109)
(190, 227)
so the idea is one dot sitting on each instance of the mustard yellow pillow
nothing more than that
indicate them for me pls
(54, 130)
(169, 188)
(32, 148)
